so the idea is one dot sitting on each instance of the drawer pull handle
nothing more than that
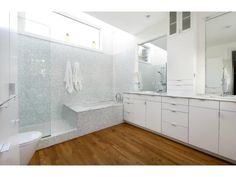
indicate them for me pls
(173, 124)
(172, 110)
(173, 104)
(129, 103)
(127, 112)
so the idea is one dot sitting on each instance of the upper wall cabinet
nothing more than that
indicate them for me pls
(182, 52)
(186, 20)
(172, 23)
(179, 22)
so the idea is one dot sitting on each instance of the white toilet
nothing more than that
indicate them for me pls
(28, 142)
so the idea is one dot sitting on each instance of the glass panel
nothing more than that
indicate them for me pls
(186, 14)
(34, 65)
(75, 32)
(172, 29)
(63, 29)
(186, 24)
(173, 17)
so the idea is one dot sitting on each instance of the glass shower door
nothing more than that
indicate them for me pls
(34, 67)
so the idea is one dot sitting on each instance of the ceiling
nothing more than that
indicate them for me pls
(131, 22)
(221, 30)
(160, 42)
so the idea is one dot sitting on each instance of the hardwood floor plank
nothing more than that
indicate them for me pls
(123, 144)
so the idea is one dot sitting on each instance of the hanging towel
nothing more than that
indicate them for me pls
(77, 77)
(68, 78)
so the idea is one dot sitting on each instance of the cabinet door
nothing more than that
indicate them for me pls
(181, 53)
(172, 23)
(139, 112)
(227, 141)
(185, 20)
(204, 128)
(153, 116)
(134, 111)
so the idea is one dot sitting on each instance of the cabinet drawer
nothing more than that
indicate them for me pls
(185, 82)
(128, 107)
(175, 100)
(228, 106)
(151, 98)
(204, 103)
(128, 97)
(175, 107)
(175, 117)
(175, 131)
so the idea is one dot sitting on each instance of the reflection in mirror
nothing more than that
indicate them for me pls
(152, 65)
(221, 54)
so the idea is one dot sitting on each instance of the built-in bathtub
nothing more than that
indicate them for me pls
(88, 118)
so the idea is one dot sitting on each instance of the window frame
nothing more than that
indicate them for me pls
(22, 31)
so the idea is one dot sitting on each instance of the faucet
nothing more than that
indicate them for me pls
(119, 97)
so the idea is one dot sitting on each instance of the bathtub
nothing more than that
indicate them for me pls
(91, 117)
(86, 118)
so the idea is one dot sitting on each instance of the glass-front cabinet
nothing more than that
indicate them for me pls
(179, 22)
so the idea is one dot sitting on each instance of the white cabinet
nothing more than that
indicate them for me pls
(134, 111)
(208, 124)
(175, 118)
(175, 131)
(227, 141)
(179, 22)
(182, 52)
(203, 126)
(153, 116)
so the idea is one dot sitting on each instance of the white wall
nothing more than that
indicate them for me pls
(9, 111)
(125, 61)
(200, 61)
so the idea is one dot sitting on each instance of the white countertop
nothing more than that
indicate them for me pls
(230, 98)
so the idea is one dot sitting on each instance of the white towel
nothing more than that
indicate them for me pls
(68, 78)
(77, 77)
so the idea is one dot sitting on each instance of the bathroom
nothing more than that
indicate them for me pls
(97, 88)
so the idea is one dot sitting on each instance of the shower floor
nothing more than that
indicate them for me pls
(49, 128)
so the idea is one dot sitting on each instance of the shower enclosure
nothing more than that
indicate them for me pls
(34, 67)
(41, 90)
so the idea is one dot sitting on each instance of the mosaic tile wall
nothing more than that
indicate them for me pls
(34, 68)
(41, 87)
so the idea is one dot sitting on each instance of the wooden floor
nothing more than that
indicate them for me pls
(122, 145)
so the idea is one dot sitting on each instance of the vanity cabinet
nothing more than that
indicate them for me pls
(153, 116)
(204, 124)
(134, 111)
(175, 118)
(207, 124)
(144, 111)
(227, 141)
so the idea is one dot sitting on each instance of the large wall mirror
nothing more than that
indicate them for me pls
(152, 65)
(221, 54)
